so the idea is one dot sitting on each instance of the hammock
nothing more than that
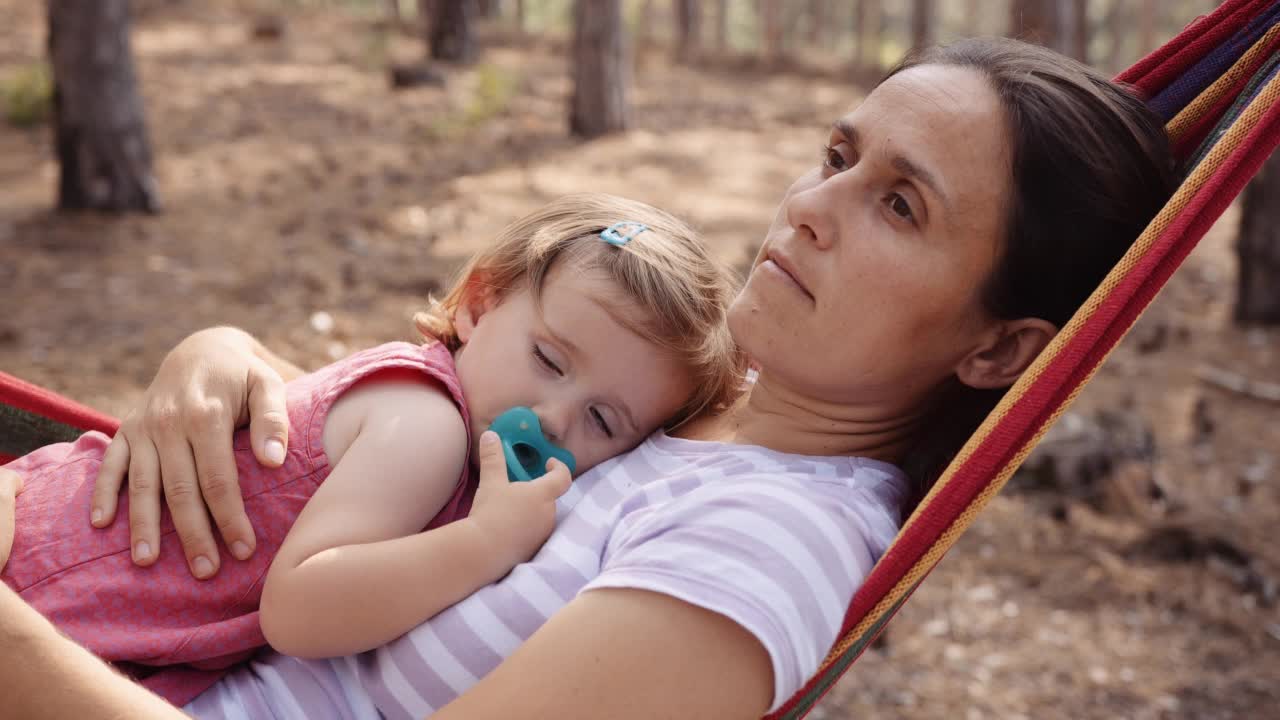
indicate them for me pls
(1215, 86)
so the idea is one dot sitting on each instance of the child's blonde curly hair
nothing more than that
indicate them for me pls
(681, 294)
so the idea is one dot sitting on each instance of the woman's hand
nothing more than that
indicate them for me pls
(180, 440)
(10, 486)
(518, 517)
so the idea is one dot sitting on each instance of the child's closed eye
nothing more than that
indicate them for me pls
(545, 361)
(601, 422)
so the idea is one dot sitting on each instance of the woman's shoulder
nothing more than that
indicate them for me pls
(738, 466)
(860, 503)
(724, 483)
(777, 543)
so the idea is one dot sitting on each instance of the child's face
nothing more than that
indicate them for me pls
(597, 388)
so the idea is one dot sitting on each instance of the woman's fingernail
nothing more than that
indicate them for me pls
(97, 516)
(488, 437)
(141, 551)
(274, 450)
(240, 549)
(202, 566)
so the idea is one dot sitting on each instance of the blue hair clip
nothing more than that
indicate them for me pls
(621, 233)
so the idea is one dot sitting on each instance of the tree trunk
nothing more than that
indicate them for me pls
(520, 16)
(921, 23)
(100, 129)
(1071, 28)
(1115, 21)
(1258, 248)
(601, 78)
(1032, 20)
(1082, 32)
(869, 18)
(644, 26)
(972, 15)
(1057, 24)
(722, 24)
(426, 11)
(860, 33)
(688, 30)
(793, 14)
(819, 23)
(487, 8)
(449, 32)
(771, 28)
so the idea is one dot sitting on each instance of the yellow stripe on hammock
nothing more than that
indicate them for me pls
(1214, 94)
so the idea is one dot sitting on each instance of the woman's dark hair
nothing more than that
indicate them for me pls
(1091, 166)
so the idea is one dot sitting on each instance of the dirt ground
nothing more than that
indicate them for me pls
(295, 182)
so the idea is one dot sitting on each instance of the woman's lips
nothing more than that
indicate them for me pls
(778, 267)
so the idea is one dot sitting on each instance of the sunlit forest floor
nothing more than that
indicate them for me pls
(296, 182)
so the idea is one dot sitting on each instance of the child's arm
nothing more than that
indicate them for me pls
(356, 571)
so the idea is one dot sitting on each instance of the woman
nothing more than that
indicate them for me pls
(957, 218)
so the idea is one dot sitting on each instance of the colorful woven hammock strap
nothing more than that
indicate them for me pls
(1170, 61)
(1254, 87)
(1193, 82)
(1210, 104)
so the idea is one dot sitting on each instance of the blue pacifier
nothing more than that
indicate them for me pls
(525, 447)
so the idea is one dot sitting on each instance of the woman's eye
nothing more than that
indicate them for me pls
(604, 426)
(546, 361)
(833, 159)
(901, 207)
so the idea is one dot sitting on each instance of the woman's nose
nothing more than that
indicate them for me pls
(810, 212)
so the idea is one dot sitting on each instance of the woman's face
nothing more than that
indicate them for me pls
(868, 285)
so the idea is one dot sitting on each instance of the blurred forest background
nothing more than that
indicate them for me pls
(312, 170)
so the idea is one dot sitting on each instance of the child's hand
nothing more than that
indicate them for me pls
(517, 517)
(10, 486)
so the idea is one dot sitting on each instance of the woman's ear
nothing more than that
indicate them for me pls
(1011, 349)
(470, 310)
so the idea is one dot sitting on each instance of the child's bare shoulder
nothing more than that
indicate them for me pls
(401, 402)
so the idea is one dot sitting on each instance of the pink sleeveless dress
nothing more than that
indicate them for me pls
(84, 581)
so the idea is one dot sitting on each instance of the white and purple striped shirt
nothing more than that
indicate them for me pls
(776, 542)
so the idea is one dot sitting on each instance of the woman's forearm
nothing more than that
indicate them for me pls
(353, 598)
(626, 655)
(45, 675)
